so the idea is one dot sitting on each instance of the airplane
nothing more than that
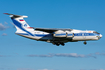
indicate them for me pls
(52, 35)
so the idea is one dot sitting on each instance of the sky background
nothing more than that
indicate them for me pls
(19, 53)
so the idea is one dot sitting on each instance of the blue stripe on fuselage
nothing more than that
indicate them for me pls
(20, 26)
(47, 35)
(78, 34)
(85, 34)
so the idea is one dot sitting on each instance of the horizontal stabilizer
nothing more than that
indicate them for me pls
(15, 16)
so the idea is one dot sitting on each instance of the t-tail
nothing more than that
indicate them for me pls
(22, 27)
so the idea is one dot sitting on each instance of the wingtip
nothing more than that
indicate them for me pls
(7, 14)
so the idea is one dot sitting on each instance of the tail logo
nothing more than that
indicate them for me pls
(25, 25)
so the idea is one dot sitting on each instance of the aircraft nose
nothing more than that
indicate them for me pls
(100, 35)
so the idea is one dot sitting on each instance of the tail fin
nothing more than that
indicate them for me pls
(20, 23)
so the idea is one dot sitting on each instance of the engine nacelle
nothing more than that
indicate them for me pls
(60, 33)
(70, 35)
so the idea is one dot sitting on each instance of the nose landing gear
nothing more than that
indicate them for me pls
(85, 42)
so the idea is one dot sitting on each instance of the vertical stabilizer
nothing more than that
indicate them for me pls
(20, 24)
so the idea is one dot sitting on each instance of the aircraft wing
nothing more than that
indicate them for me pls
(51, 30)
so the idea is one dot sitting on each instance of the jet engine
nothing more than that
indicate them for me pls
(61, 33)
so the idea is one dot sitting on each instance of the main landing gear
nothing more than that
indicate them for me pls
(85, 42)
(57, 44)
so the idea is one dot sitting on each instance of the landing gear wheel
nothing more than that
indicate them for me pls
(57, 44)
(62, 44)
(85, 42)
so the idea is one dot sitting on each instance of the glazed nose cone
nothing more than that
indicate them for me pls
(100, 35)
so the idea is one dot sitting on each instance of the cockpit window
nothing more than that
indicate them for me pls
(96, 32)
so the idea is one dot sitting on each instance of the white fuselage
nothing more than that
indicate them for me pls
(70, 36)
